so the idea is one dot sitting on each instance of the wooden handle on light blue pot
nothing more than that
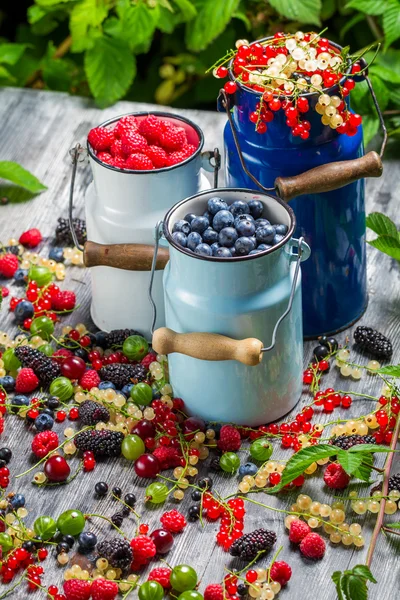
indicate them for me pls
(207, 346)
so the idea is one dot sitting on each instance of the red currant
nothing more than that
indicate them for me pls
(274, 478)
(222, 72)
(230, 87)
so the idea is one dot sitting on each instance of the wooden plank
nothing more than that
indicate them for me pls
(38, 130)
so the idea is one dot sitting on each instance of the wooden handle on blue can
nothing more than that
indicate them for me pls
(207, 346)
(130, 257)
(329, 177)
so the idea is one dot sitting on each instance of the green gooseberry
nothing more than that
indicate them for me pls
(261, 449)
(133, 447)
(135, 347)
(229, 462)
(191, 595)
(42, 275)
(142, 394)
(11, 362)
(183, 577)
(62, 388)
(6, 542)
(71, 522)
(42, 326)
(45, 527)
(47, 349)
(151, 590)
(157, 493)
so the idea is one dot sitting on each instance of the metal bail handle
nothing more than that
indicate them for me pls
(324, 178)
(157, 236)
(207, 164)
(78, 154)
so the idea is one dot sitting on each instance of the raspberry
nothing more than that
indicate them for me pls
(105, 157)
(175, 158)
(148, 359)
(44, 442)
(162, 576)
(63, 300)
(229, 439)
(89, 379)
(313, 546)
(151, 128)
(31, 238)
(214, 591)
(144, 549)
(189, 149)
(173, 521)
(168, 457)
(139, 162)
(77, 589)
(116, 149)
(8, 265)
(298, 530)
(158, 156)
(60, 354)
(336, 477)
(118, 162)
(281, 572)
(26, 381)
(173, 138)
(104, 589)
(100, 138)
(125, 125)
(133, 142)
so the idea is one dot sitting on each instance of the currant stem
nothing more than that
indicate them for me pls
(108, 521)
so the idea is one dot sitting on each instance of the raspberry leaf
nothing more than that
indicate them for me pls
(12, 171)
(381, 224)
(349, 462)
(392, 370)
(364, 470)
(212, 18)
(11, 53)
(305, 11)
(137, 24)
(372, 7)
(86, 15)
(391, 22)
(337, 580)
(356, 588)
(364, 571)
(352, 584)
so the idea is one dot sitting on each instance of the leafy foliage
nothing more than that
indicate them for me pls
(352, 584)
(388, 240)
(13, 172)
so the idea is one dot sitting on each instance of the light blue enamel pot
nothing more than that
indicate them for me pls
(234, 331)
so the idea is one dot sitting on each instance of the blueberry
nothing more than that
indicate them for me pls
(203, 250)
(233, 253)
(87, 540)
(193, 240)
(207, 215)
(189, 217)
(248, 468)
(182, 226)
(223, 252)
(242, 218)
(265, 235)
(255, 251)
(180, 238)
(262, 223)
(210, 236)
(44, 422)
(200, 224)
(5, 454)
(156, 392)
(216, 204)
(256, 208)
(47, 411)
(19, 400)
(23, 310)
(214, 248)
(53, 402)
(245, 227)
(17, 501)
(277, 239)
(130, 500)
(101, 339)
(56, 254)
(20, 275)
(281, 229)
(82, 353)
(244, 245)
(263, 247)
(126, 390)
(106, 385)
(101, 488)
(222, 219)
(227, 237)
(8, 383)
(239, 208)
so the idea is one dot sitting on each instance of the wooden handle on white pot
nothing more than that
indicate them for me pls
(131, 257)
(207, 346)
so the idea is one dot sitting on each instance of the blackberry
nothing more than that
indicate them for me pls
(347, 441)
(249, 545)
(63, 233)
(91, 412)
(118, 553)
(116, 337)
(101, 442)
(117, 518)
(394, 482)
(44, 368)
(373, 342)
(120, 374)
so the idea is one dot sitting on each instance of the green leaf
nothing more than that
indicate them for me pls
(110, 68)
(351, 23)
(357, 588)
(305, 11)
(349, 462)
(187, 9)
(212, 18)
(392, 370)
(393, 525)
(46, 3)
(328, 9)
(391, 22)
(368, 449)
(6, 75)
(365, 469)
(381, 224)
(86, 14)
(244, 18)
(370, 7)
(138, 23)
(11, 53)
(387, 245)
(44, 21)
(385, 73)
(365, 572)
(13, 172)
(370, 128)
(337, 580)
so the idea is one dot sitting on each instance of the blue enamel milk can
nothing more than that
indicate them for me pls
(234, 325)
(323, 176)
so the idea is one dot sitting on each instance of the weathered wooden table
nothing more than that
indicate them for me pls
(38, 129)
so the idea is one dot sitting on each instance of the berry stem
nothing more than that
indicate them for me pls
(127, 505)
(11, 589)
(390, 530)
(88, 515)
(277, 553)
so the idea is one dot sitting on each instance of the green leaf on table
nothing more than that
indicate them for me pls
(11, 53)
(212, 18)
(305, 11)
(13, 172)
(137, 24)
(381, 224)
(84, 16)
(356, 588)
(364, 571)
(365, 469)
(371, 7)
(110, 68)
(387, 245)
(393, 525)
(349, 462)
(337, 580)
(368, 449)
(392, 370)
(391, 22)
(352, 584)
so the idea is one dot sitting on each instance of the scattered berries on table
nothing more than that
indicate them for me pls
(280, 572)
(173, 521)
(101, 442)
(31, 238)
(249, 545)
(8, 265)
(91, 412)
(44, 367)
(372, 342)
(89, 379)
(298, 531)
(44, 442)
(348, 441)
(122, 374)
(26, 381)
(103, 589)
(312, 546)
(229, 439)
(77, 589)
(117, 551)
(162, 575)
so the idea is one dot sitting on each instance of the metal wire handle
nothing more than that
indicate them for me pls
(157, 236)
(78, 154)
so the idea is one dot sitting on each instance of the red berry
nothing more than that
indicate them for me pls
(261, 127)
(89, 379)
(139, 162)
(308, 377)
(31, 238)
(44, 442)
(158, 156)
(173, 138)
(42, 553)
(56, 469)
(336, 477)
(346, 401)
(147, 466)
(229, 439)
(230, 87)
(214, 591)
(73, 413)
(302, 105)
(162, 575)
(313, 546)
(274, 478)
(26, 381)
(100, 138)
(73, 367)
(8, 265)
(64, 301)
(222, 72)
(280, 572)
(298, 531)
(173, 521)
(275, 104)
(61, 415)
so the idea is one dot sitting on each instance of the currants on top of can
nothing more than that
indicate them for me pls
(226, 231)
(285, 67)
(143, 142)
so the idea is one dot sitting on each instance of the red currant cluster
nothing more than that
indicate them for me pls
(19, 559)
(89, 461)
(3, 409)
(330, 400)
(232, 518)
(386, 418)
